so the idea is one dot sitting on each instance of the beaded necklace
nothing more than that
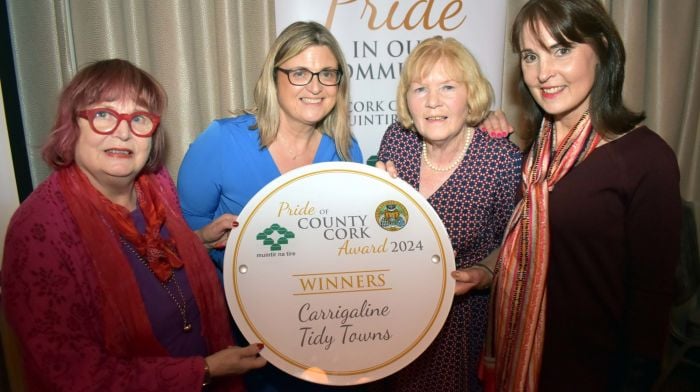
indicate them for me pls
(182, 303)
(558, 150)
(468, 140)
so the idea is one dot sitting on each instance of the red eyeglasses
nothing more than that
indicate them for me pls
(105, 121)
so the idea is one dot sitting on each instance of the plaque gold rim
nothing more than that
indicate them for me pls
(315, 369)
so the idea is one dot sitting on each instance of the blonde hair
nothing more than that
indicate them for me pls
(293, 40)
(461, 66)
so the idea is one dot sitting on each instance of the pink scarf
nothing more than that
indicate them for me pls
(515, 337)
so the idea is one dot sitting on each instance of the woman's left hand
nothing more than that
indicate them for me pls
(497, 124)
(235, 360)
(471, 278)
(215, 234)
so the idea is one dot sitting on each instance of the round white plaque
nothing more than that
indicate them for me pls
(341, 271)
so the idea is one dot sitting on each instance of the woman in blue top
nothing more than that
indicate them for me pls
(300, 117)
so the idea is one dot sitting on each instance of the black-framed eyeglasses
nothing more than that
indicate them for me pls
(105, 121)
(302, 76)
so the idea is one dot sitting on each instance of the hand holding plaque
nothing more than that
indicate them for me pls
(341, 271)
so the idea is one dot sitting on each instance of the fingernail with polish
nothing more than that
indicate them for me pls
(260, 346)
(234, 224)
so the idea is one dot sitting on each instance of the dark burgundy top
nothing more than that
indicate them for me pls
(615, 231)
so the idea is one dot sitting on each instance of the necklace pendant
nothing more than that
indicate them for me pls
(187, 327)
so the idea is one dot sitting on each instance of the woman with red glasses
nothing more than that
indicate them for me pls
(103, 282)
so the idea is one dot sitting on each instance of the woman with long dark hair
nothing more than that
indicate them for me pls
(584, 285)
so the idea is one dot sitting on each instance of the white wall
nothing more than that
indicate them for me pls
(8, 187)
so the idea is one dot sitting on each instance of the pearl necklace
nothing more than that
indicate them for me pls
(468, 140)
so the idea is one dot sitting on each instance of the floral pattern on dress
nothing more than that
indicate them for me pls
(474, 203)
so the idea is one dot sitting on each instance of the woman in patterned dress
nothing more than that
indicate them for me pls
(470, 179)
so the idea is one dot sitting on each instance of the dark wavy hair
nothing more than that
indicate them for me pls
(581, 21)
(104, 80)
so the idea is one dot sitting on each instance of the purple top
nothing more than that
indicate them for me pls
(163, 313)
(615, 231)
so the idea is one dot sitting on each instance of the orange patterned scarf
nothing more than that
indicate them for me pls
(515, 337)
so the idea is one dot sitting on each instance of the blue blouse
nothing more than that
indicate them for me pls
(225, 167)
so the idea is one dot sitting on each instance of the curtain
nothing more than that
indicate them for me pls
(662, 75)
(662, 39)
(206, 54)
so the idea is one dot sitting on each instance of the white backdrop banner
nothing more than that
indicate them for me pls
(377, 35)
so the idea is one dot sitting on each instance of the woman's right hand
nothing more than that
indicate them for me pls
(388, 167)
(235, 360)
(215, 234)
(472, 278)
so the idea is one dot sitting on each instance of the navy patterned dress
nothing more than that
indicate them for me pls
(475, 204)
